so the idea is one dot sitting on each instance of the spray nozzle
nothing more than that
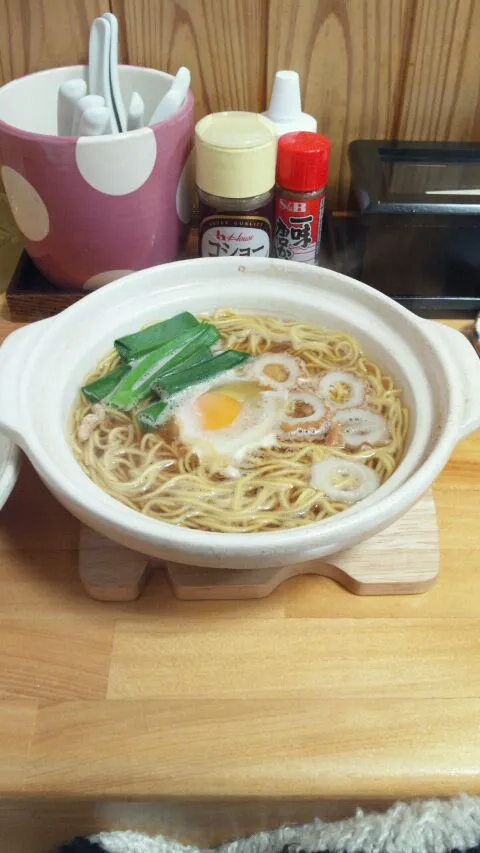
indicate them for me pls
(285, 108)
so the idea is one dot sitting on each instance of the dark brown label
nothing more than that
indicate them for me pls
(227, 234)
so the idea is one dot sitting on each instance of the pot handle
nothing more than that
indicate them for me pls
(13, 354)
(467, 362)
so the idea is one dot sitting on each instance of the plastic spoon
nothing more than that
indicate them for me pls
(116, 92)
(174, 98)
(85, 103)
(93, 121)
(69, 94)
(99, 67)
(136, 112)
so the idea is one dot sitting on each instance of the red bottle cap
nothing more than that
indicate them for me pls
(302, 161)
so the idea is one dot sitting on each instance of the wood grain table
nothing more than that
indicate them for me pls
(205, 720)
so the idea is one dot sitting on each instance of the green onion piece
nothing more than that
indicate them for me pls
(132, 347)
(155, 414)
(201, 354)
(96, 391)
(152, 416)
(137, 383)
(197, 350)
(180, 379)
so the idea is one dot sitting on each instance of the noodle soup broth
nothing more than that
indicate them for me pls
(301, 429)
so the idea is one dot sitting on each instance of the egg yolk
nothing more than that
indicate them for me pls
(217, 411)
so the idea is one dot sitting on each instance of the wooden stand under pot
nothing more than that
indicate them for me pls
(401, 560)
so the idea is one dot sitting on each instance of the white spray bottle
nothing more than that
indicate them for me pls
(285, 108)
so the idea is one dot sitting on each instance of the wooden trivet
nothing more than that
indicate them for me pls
(110, 572)
(403, 560)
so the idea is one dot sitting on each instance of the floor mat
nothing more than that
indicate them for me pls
(425, 826)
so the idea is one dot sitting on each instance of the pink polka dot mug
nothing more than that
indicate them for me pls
(92, 209)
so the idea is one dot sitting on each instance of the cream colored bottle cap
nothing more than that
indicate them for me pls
(235, 154)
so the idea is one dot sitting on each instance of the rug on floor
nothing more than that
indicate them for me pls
(424, 826)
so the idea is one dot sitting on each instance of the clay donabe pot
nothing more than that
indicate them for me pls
(42, 367)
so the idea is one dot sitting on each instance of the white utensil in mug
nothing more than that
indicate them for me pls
(136, 112)
(93, 121)
(174, 98)
(116, 94)
(85, 103)
(99, 67)
(69, 94)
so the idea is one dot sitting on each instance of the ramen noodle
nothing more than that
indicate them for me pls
(302, 428)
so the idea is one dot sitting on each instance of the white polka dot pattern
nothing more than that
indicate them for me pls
(117, 165)
(28, 208)
(101, 278)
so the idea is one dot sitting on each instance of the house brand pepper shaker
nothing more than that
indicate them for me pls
(235, 175)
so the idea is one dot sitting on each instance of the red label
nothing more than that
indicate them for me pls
(298, 228)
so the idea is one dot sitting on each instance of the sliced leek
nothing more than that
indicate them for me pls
(179, 380)
(138, 382)
(97, 391)
(132, 347)
(197, 350)
(152, 416)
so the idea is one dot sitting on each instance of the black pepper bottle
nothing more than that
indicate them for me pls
(235, 176)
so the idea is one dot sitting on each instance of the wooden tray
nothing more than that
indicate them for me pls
(30, 296)
(402, 560)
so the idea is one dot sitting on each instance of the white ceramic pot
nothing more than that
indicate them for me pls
(42, 367)
(9, 463)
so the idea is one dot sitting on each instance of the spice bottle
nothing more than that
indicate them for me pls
(235, 175)
(285, 107)
(302, 172)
